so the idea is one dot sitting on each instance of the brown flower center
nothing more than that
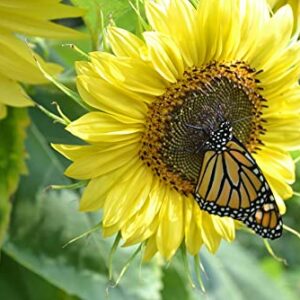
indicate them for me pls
(177, 121)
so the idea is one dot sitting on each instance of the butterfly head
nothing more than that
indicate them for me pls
(219, 138)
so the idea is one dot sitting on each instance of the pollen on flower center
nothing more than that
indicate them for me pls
(179, 121)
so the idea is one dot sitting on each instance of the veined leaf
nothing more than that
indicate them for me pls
(18, 283)
(233, 273)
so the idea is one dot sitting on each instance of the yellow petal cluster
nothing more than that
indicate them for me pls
(30, 18)
(120, 86)
(295, 4)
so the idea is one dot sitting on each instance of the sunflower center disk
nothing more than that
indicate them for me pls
(179, 122)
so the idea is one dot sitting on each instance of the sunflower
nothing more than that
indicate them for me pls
(32, 18)
(230, 57)
(295, 4)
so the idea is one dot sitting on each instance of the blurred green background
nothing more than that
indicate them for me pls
(34, 264)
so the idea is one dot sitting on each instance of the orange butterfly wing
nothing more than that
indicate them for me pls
(266, 221)
(231, 184)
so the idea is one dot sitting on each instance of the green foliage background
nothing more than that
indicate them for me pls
(36, 222)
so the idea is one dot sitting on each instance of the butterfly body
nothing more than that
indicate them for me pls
(231, 184)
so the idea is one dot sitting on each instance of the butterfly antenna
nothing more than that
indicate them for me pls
(242, 119)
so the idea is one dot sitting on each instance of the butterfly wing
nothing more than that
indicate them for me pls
(266, 221)
(230, 182)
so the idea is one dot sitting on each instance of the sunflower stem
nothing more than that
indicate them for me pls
(102, 30)
(271, 252)
(97, 226)
(127, 265)
(51, 115)
(139, 28)
(73, 186)
(60, 112)
(296, 194)
(291, 230)
(144, 25)
(111, 254)
(73, 95)
(143, 247)
(186, 265)
(198, 268)
(297, 159)
(77, 49)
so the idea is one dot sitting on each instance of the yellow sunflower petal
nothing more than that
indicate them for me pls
(132, 74)
(110, 230)
(165, 56)
(13, 94)
(73, 152)
(286, 104)
(144, 217)
(96, 191)
(230, 30)
(278, 162)
(218, 29)
(170, 230)
(283, 189)
(93, 199)
(15, 55)
(224, 227)
(279, 200)
(122, 194)
(124, 43)
(281, 67)
(210, 237)
(254, 15)
(101, 162)
(138, 192)
(276, 4)
(34, 19)
(208, 24)
(106, 97)
(85, 68)
(141, 234)
(274, 36)
(164, 18)
(151, 248)
(283, 132)
(193, 238)
(100, 127)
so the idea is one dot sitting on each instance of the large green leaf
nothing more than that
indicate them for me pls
(233, 273)
(18, 283)
(12, 156)
(42, 222)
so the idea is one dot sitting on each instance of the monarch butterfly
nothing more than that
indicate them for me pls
(231, 184)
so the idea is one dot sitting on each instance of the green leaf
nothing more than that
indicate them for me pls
(233, 273)
(18, 283)
(175, 282)
(236, 274)
(101, 12)
(12, 156)
(118, 10)
(43, 221)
